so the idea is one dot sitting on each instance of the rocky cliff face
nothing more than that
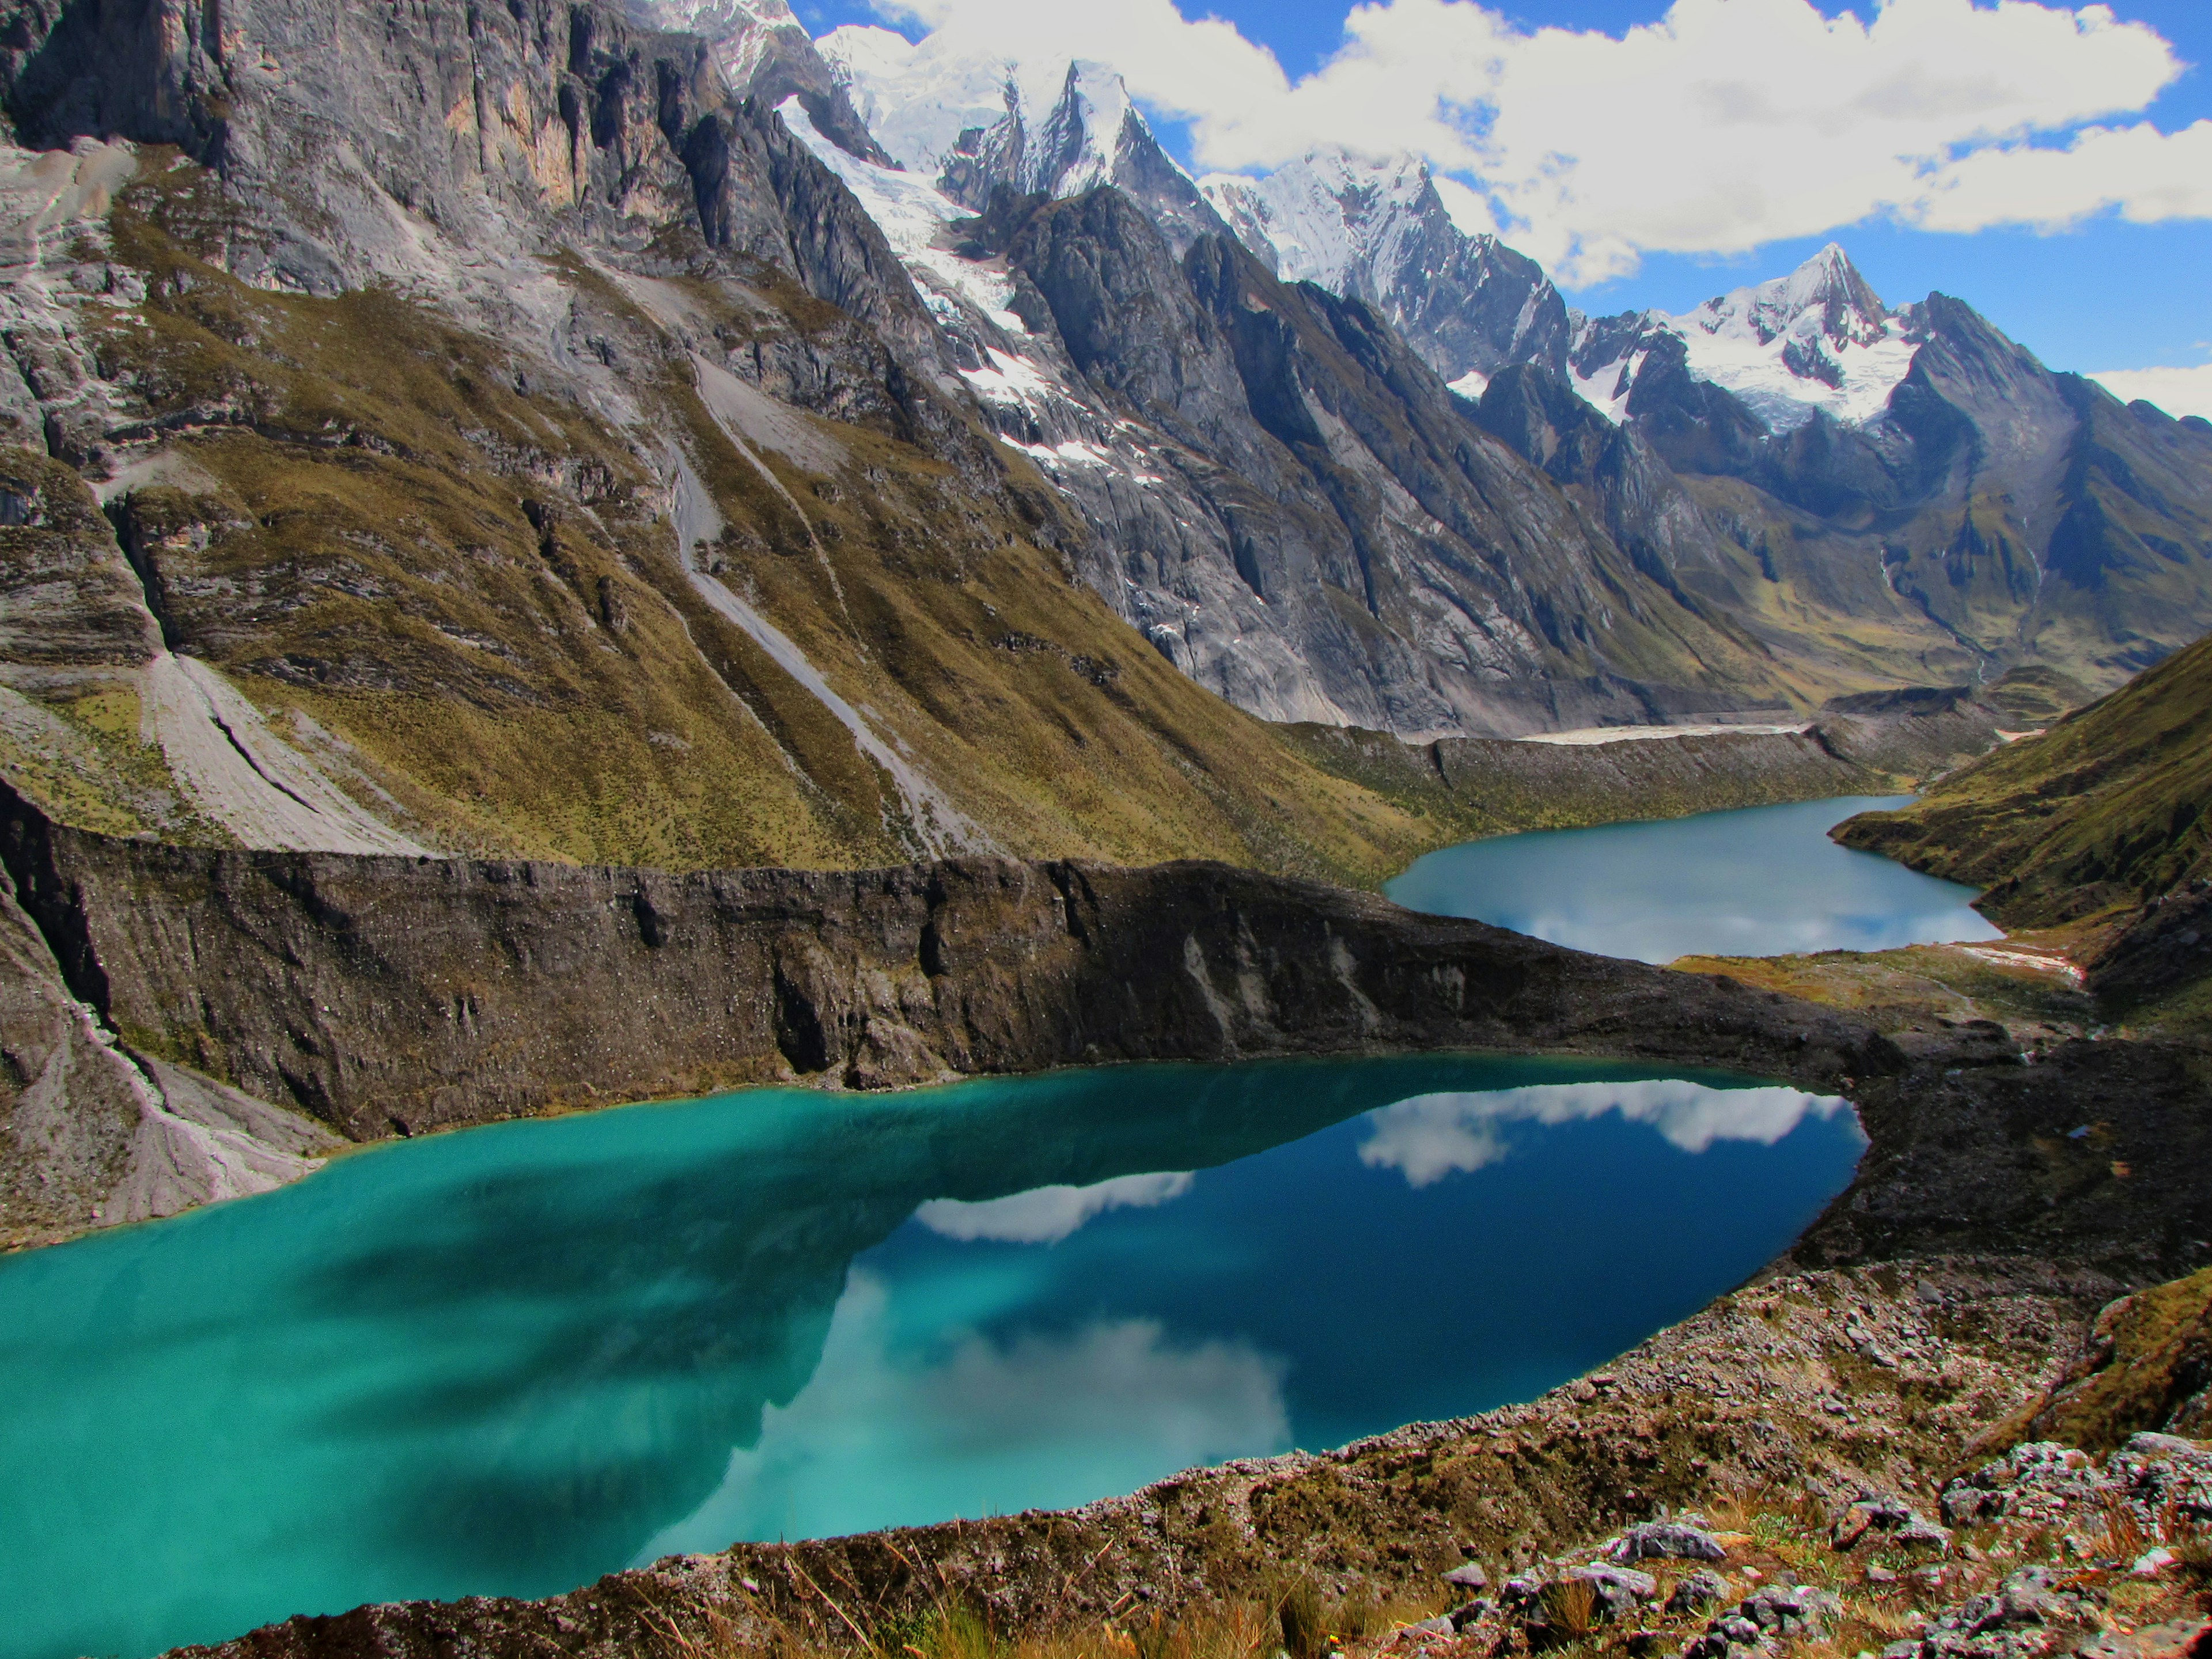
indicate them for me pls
(499, 435)
(93, 1135)
(1376, 230)
(1416, 575)
(387, 995)
(973, 122)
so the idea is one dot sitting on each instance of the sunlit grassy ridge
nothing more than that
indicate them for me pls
(394, 539)
(2107, 809)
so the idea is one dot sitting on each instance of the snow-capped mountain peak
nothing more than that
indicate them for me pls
(1818, 339)
(974, 121)
(1375, 228)
(740, 31)
(1825, 299)
(1077, 146)
(919, 100)
(1325, 215)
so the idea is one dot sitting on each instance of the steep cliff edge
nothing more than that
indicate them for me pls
(388, 995)
(93, 1135)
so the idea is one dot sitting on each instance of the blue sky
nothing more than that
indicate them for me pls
(2102, 294)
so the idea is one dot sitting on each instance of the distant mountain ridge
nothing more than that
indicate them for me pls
(972, 122)
(1378, 231)
(1873, 496)
(1288, 502)
(1820, 339)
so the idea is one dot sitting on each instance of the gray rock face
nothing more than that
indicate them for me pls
(765, 55)
(1378, 231)
(1417, 576)
(382, 993)
(1700, 1589)
(71, 609)
(1668, 1540)
(92, 1135)
(1092, 136)
(1780, 1613)
(1617, 1589)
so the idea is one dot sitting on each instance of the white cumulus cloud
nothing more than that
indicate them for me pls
(887, 1433)
(1720, 125)
(1431, 1136)
(2178, 392)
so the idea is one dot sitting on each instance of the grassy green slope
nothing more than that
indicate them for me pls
(451, 579)
(2105, 811)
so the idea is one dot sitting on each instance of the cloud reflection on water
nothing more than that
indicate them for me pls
(1045, 1215)
(886, 1430)
(1431, 1136)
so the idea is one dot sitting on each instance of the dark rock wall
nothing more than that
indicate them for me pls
(385, 995)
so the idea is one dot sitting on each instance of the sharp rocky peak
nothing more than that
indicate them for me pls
(1824, 297)
(975, 121)
(1375, 227)
(1327, 214)
(1817, 340)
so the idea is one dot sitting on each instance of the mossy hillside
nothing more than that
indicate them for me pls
(1012, 683)
(2105, 809)
(1814, 594)
(414, 538)
(1924, 987)
(2150, 1355)
(1487, 787)
(2035, 696)
(1850, 602)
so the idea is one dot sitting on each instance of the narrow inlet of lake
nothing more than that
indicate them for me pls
(508, 1360)
(1764, 881)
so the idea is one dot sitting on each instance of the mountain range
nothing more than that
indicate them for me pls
(1870, 492)
(642, 435)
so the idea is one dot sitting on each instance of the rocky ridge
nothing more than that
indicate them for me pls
(1295, 512)
(1378, 230)
(1784, 389)
(387, 996)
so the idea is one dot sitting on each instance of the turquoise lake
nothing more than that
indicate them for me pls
(512, 1359)
(1764, 881)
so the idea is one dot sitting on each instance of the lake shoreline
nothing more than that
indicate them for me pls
(1965, 1267)
(1267, 966)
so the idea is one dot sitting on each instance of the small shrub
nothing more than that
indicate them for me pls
(1571, 1607)
(2192, 1550)
(1298, 1610)
(2124, 1538)
(956, 1631)
(1153, 1638)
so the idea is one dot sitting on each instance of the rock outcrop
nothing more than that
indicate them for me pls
(92, 1135)
(387, 995)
